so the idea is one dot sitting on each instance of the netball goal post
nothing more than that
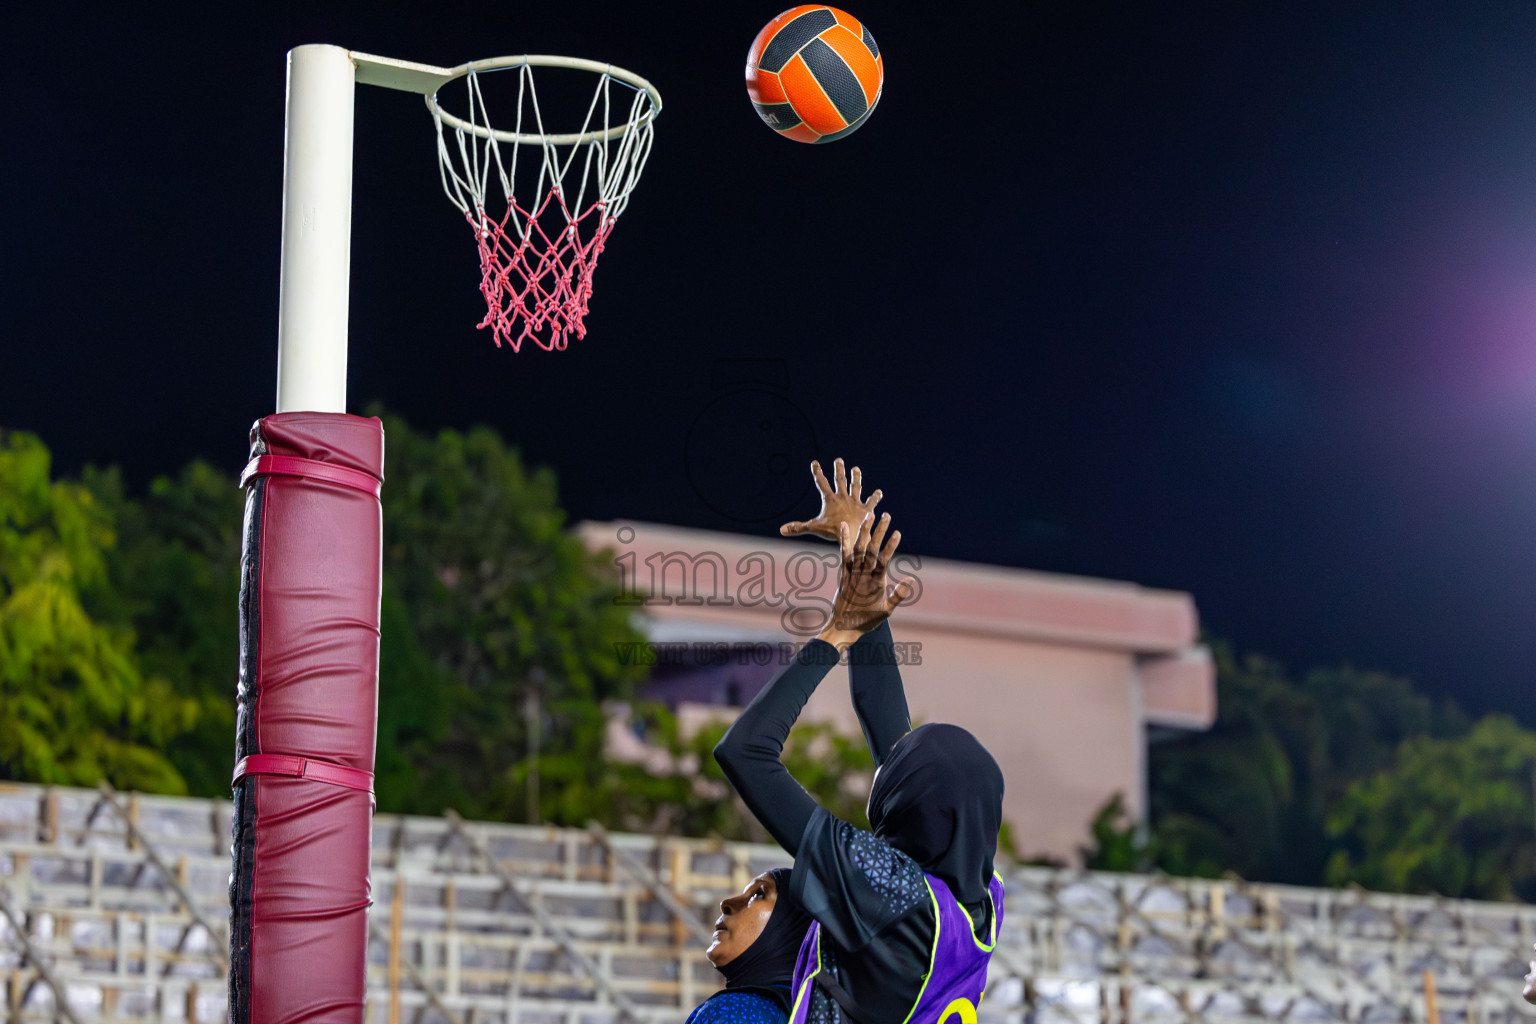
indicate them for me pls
(540, 197)
(541, 202)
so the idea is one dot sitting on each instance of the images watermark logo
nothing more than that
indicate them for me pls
(797, 583)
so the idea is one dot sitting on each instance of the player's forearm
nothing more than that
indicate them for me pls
(750, 751)
(874, 684)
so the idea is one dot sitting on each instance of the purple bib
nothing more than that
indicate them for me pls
(957, 973)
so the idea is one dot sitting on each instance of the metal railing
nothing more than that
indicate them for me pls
(113, 907)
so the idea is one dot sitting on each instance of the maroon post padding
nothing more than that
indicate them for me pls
(309, 669)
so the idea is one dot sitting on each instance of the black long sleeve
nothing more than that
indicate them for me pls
(874, 684)
(750, 750)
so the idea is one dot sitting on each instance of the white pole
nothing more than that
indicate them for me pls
(317, 231)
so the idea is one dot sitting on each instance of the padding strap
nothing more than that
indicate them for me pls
(303, 768)
(843, 998)
(292, 465)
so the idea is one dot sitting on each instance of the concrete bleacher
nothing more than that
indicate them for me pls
(114, 909)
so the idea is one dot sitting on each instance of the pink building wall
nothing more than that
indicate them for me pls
(1062, 677)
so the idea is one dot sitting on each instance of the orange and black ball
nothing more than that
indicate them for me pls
(814, 73)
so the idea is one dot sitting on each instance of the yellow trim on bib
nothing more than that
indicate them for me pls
(985, 947)
(961, 1006)
(805, 986)
(933, 953)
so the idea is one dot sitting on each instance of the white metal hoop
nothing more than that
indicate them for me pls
(629, 78)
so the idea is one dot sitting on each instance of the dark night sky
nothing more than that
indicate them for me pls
(1237, 298)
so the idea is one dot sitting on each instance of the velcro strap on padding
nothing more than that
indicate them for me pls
(292, 465)
(303, 768)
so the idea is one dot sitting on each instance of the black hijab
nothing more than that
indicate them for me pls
(938, 798)
(768, 965)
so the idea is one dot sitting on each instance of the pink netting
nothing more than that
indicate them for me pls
(544, 282)
(537, 261)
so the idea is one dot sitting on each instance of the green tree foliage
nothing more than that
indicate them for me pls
(1119, 842)
(1253, 794)
(173, 578)
(1452, 816)
(834, 768)
(75, 705)
(487, 596)
(692, 796)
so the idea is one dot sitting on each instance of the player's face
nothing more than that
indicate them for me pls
(742, 919)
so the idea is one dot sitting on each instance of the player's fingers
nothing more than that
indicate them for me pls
(889, 551)
(861, 545)
(856, 484)
(845, 544)
(874, 499)
(820, 477)
(877, 537)
(839, 477)
(899, 593)
(791, 529)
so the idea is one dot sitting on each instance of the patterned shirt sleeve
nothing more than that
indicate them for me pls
(853, 883)
(729, 1007)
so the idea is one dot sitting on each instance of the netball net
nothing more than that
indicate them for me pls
(542, 205)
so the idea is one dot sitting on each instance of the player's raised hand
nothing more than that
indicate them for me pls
(865, 596)
(842, 501)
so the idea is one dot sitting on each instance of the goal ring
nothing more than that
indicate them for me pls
(618, 74)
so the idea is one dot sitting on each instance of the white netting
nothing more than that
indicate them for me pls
(538, 252)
